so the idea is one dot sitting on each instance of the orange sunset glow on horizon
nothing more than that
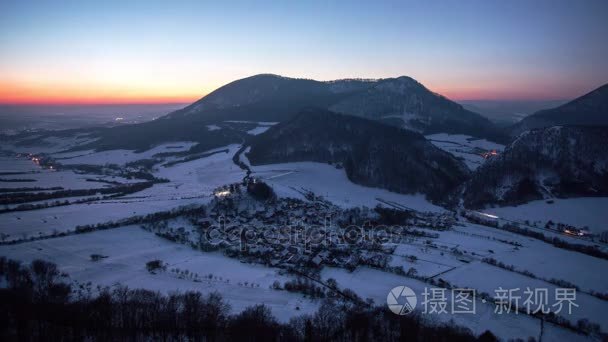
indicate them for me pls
(15, 93)
(149, 52)
(91, 94)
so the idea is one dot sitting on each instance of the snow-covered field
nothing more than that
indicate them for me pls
(428, 262)
(260, 123)
(42, 222)
(198, 177)
(454, 255)
(449, 251)
(580, 212)
(331, 183)
(118, 157)
(258, 130)
(487, 278)
(374, 284)
(191, 183)
(546, 261)
(14, 165)
(50, 144)
(25, 169)
(472, 244)
(66, 179)
(465, 147)
(129, 248)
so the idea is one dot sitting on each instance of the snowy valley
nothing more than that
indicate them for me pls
(104, 216)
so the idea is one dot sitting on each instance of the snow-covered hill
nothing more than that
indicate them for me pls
(588, 110)
(551, 162)
(371, 153)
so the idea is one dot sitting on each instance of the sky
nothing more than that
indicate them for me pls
(149, 51)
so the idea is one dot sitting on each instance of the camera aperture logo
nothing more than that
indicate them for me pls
(401, 300)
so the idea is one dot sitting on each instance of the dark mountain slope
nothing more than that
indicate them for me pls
(406, 103)
(558, 161)
(373, 154)
(588, 110)
(399, 101)
(257, 98)
(262, 97)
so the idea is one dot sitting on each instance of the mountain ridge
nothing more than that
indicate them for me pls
(269, 97)
(587, 110)
(371, 153)
(558, 161)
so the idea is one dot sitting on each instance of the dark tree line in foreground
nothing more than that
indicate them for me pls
(36, 305)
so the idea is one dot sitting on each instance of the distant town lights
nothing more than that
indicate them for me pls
(489, 215)
(222, 193)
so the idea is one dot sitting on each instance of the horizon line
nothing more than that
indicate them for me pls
(94, 103)
(187, 102)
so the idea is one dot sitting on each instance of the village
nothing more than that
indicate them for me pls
(291, 233)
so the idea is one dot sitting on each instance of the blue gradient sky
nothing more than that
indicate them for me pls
(147, 51)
